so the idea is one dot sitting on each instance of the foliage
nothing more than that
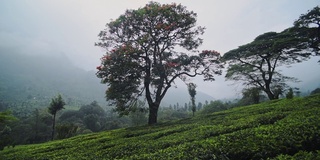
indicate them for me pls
(66, 131)
(289, 95)
(69, 114)
(5, 137)
(138, 114)
(93, 108)
(309, 26)
(250, 96)
(279, 129)
(170, 114)
(6, 117)
(214, 106)
(300, 155)
(255, 64)
(142, 56)
(192, 93)
(93, 117)
(56, 105)
(32, 129)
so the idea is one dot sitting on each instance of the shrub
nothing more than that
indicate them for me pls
(66, 130)
(289, 95)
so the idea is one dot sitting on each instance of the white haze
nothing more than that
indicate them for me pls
(71, 28)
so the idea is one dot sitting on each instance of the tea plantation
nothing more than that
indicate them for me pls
(280, 129)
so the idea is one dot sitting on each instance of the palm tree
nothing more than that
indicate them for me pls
(55, 106)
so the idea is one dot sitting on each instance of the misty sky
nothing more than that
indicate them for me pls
(71, 27)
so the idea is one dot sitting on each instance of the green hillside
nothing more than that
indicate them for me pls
(35, 79)
(280, 129)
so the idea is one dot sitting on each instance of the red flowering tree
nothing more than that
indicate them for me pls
(147, 50)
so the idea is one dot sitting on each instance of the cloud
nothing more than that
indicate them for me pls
(71, 27)
(16, 43)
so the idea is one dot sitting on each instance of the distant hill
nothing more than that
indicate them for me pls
(279, 129)
(38, 78)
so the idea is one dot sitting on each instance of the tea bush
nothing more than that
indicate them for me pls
(280, 129)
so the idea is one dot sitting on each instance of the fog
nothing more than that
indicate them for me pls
(71, 27)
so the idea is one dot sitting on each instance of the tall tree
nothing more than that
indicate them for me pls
(256, 63)
(192, 93)
(56, 105)
(147, 50)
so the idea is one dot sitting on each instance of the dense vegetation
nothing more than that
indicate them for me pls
(142, 58)
(142, 61)
(26, 89)
(278, 129)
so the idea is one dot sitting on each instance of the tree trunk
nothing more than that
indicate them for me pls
(271, 96)
(53, 126)
(153, 114)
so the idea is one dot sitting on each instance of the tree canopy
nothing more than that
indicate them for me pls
(256, 63)
(250, 96)
(56, 105)
(309, 26)
(147, 50)
(6, 116)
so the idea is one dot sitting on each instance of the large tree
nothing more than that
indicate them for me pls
(256, 64)
(147, 50)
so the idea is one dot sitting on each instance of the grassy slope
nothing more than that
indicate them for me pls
(279, 129)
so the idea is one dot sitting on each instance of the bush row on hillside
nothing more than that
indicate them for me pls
(280, 129)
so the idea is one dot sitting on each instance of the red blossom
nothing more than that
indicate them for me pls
(106, 57)
(167, 28)
(159, 26)
(99, 68)
(172, 64)
(126, 49)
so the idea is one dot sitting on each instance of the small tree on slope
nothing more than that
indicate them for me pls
(192, 92)
(56, 105)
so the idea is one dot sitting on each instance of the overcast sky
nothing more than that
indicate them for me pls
(71, 27)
